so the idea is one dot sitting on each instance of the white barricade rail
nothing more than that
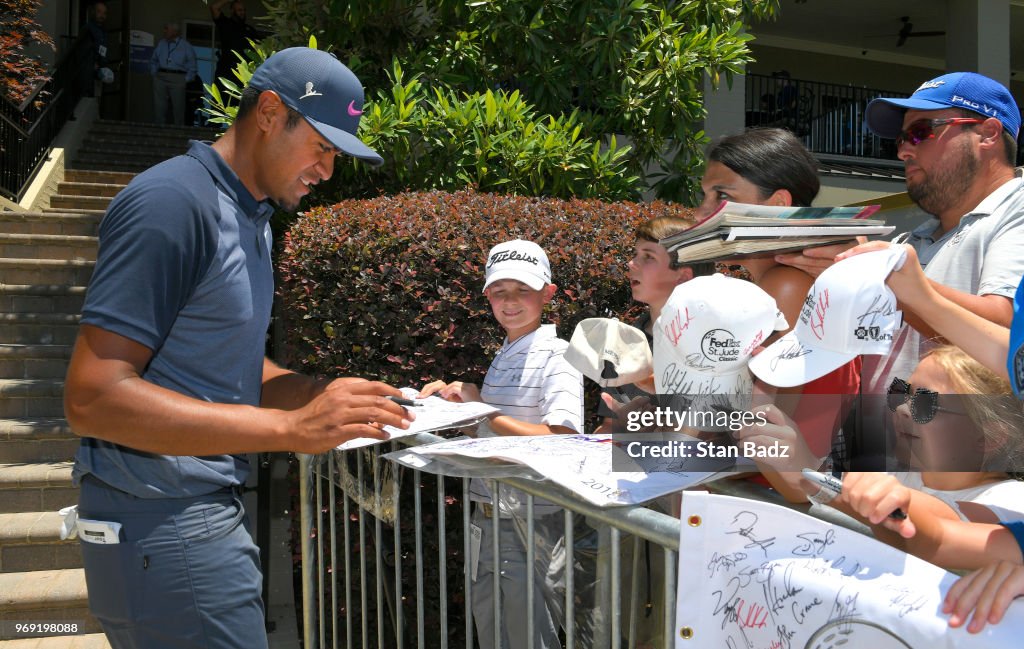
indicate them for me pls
(390, 578)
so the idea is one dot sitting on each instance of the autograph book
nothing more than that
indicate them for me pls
(739, 229)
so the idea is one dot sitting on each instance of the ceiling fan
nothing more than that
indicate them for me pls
(907, 30)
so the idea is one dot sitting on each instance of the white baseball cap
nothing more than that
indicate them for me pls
(520, 260)
(706, 333)
(609, 352)
(849, 311)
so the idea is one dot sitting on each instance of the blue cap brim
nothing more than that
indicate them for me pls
(348, 143)
(884, 117)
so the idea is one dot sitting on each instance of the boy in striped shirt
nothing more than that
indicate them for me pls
(538, 393)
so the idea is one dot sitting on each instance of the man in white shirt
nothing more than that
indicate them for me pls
(956, 136)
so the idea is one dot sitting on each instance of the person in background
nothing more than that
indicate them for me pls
(172, 65)
(233, 35)
(96, 56)
(964, 429)
(653, 274)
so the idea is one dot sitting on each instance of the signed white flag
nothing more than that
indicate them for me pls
(759, 576)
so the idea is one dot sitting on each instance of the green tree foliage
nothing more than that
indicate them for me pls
(448, 140)
(633, 68)
(20, 73)
(490, 140)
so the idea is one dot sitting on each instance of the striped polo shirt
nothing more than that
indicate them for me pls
(530, 380)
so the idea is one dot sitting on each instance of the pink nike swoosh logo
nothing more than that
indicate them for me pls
(352, 109)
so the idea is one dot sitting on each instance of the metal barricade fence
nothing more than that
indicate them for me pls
(358, 489)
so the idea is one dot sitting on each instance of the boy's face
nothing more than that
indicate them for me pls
(516, 306)
(650, 277)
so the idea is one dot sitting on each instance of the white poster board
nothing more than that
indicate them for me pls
(759, 576)
(432, 414)
(580, 463)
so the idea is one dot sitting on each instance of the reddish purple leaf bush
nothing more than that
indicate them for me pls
(390, 288)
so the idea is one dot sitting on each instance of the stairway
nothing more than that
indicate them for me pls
(46, 259)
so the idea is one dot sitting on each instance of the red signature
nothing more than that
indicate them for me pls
(754, 343)
(818, 317)
(676, 326)
(756, 616)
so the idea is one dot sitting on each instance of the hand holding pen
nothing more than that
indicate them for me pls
(878, 497)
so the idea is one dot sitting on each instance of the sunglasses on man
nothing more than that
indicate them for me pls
(924, 129)
(924, 403)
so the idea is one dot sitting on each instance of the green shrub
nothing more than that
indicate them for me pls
(390, 288)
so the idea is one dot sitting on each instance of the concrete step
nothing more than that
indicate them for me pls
(31, 541)
(149, 129)
(41, 428)
(97, 177)
(41, 298)
(34, 352)
(103, 163)
(42, 319)
(73, 272)
(48, 246)
(63, 201)
(33, 334)
(37, 487)
(31, 398)
(60, 222)
(68, 210)
(68, 188)
(128, 145)
(87, 641)
(31, 388)
(45, 595)
(33, 361)
(37, 439)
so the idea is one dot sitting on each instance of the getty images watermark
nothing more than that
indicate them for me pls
(704, 442)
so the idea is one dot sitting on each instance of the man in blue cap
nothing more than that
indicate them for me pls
(957, 138)
(168, 385)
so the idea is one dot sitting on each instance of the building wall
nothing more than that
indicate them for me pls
(860, 71)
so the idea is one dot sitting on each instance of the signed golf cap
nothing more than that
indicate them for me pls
(849, 311)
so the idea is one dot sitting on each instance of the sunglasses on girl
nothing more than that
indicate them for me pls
(924, 404)
(924, 129)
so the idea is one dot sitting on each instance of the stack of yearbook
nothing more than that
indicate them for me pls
(741, 230)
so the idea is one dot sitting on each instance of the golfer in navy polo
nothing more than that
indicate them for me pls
(168, 384)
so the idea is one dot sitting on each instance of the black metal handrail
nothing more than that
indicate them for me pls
(27, 130)
(828, 117)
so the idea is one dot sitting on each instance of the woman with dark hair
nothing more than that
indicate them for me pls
(770, 166)
(767, 166)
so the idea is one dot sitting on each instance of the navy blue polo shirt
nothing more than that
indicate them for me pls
(183, 268)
